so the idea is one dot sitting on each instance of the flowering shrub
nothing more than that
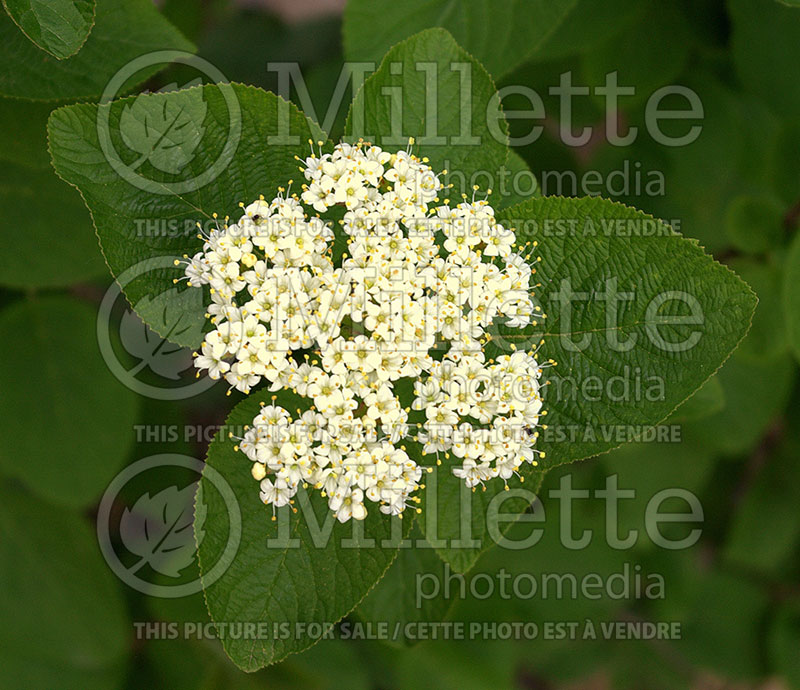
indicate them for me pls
(416, 278)
(374, 321)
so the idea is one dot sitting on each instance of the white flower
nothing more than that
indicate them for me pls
(211, 359)
(279, 493)
(349, 329)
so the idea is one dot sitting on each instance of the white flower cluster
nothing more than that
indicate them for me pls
(403, 297)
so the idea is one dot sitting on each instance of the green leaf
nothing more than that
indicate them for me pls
(165, 133)
(80, 418)
(606, 388)
(500, 35)
(144, 215)
(58, 246)
(632, 363)
(766, 52)
(66, 625)
(461, 523)
(446, 108)
(59, 27)
(124, 30)
(406, 595)
(791, 296)
(315, 570)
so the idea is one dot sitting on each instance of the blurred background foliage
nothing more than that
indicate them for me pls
(68, 425)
